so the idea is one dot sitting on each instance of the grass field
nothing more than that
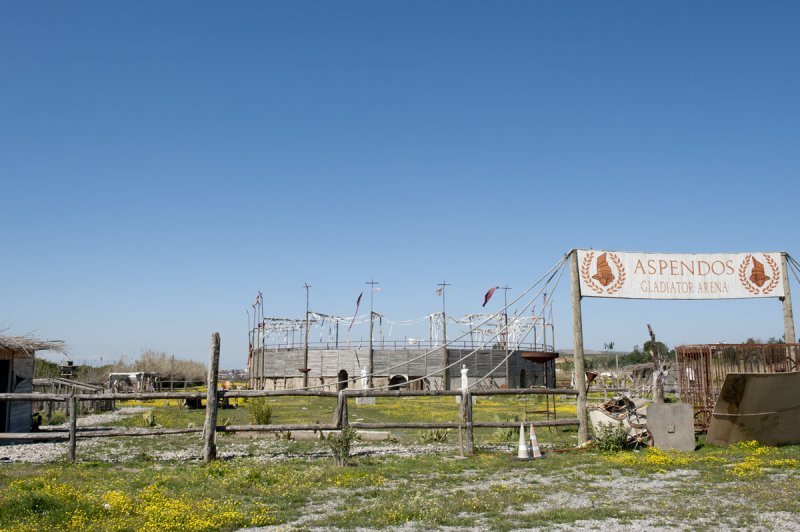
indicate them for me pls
(747, 486)
(159, 483)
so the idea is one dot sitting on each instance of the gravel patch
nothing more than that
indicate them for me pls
(43, 452)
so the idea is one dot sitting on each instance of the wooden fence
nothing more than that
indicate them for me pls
(340, 418)
(213, 395)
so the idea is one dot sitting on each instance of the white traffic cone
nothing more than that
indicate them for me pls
(535, 445)
(523, 445)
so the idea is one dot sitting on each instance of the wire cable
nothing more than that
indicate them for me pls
(498, 332)
(544, 309)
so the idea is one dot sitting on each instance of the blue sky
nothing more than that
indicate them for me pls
(163, 161)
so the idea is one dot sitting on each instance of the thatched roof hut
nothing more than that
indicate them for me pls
(27, 345)
(16, 376)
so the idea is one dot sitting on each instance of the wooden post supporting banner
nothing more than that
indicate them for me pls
(466, 413)
(210, 427)
(788, 316)
(73, 428)
(577, 334)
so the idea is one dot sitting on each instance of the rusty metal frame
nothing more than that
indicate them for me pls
(702, 370)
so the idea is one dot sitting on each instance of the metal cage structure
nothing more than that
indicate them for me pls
(702, 370)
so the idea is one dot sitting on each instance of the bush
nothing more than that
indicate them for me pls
(57, 418)
(432, 436)
(506, 434)
(149, 419)
(611, 438)
(340, 445)
(259, 412)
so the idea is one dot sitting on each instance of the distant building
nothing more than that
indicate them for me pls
(16, 376)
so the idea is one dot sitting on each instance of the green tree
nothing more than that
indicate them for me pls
(664, 352)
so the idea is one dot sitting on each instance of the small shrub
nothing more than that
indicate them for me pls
(149, 419)
(432, 436)
(36, 421)
(57, 418)
(259, 411)
(506, 434)
(611, 437)
(340, 445)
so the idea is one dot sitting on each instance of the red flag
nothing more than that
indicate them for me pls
(439, 291)
(358, 304)
(488, 295)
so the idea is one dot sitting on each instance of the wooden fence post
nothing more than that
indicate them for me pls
(466, 413)
(210, 428)
(340, 415)
(73, 427)
(344, 421)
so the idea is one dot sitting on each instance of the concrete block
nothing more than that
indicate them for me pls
(365, 400)
(672, 426)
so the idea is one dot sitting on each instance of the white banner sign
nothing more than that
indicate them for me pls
(677, 276)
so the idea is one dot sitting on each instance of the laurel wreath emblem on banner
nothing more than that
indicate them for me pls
(752, 287)
(586, 274)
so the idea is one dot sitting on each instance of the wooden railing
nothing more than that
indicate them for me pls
(340, 418)
(213, 394)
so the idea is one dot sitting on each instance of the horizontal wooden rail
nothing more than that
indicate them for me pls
(515, 424)
(147, 396)
(438, 393)
(276, 428)
(402, 425)
(63, 434)
(35, 397)
(455, 425)
(526, 391)
(400, 393)
(276, 393)
(34, 436)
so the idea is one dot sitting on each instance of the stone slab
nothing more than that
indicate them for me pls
(671, 426)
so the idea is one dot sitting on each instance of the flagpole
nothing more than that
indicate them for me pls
(305, 369)
(371, 325)
(445, 372)
(505, 290)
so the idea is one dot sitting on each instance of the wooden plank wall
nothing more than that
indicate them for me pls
(20, 412)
